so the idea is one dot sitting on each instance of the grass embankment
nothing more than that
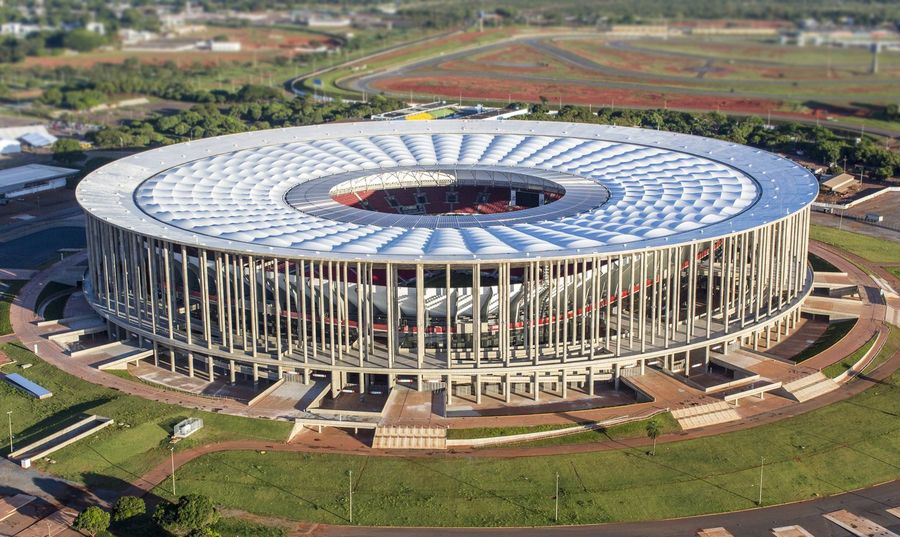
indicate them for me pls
(493, 432)
(844, 446)
(634, 429)
(834, 333)
(8, 292)
(837, 368)
(820, 265)
(871, 248)
(121, 453)
(893, 343)
(56, 307)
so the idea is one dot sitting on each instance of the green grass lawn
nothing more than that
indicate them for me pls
(895, 271)
(8, 291)
(838, 368)
(493, 432)
(120, 453)
(871, 248)
(841, 447)
(832, 335)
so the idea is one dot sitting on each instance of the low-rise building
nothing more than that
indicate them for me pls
(31, 179)
(841, 183)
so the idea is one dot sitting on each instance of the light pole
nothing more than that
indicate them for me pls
(9, 420)
(172, 451)
(351, 495)
(556, 515)
(762, 461)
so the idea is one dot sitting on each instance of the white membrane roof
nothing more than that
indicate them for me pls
(626, 189)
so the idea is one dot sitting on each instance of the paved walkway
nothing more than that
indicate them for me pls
(872, 309)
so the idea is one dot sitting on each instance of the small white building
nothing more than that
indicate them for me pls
(18, 29)
(31, 179)
(11, 138)
(38, 139)
(186, 428)
(225, 46)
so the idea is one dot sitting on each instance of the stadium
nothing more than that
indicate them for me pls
(478, 257)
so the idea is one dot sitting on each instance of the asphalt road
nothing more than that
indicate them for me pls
(871, 503)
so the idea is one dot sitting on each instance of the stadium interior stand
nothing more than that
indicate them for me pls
(437, 200)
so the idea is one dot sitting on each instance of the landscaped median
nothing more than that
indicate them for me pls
(844, 446)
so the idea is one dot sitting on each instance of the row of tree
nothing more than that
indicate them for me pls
(206, 120)
(193, 515)
(83, 89)
(256, 108)
(811, 141)
(48, 43)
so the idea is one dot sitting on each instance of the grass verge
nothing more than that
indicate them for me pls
(493, 432)
(634, 429)
(137, 442)
(875, 250)
(838, 368)
(886, 352)
(847, 445)
(832, 335)
(8, 292)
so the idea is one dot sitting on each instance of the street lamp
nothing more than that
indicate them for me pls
(762, 461)
(172, 450)
(556, 515)
(9, 419)
(350, 474)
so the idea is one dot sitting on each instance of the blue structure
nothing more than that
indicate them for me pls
(26, 385)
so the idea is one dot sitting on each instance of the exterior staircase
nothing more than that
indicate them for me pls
(409, 437)
(693, 417)
(810, 386)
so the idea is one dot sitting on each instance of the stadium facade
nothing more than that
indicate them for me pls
(480, 256)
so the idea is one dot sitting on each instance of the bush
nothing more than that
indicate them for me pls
(127, 507)
(192, 513)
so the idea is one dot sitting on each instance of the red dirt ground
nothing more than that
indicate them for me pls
(572, 93)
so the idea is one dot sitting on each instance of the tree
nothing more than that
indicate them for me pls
(67, 151)
(204, 532)
(653, 432)
(92, 520)
(82, 40)
(127, 507)
(193, 512)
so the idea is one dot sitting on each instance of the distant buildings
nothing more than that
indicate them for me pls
(31, 179)
(841, 183)
(12, 138)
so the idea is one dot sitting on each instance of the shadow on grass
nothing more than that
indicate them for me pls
(57, 421)
(486, 492)
(290, 493)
